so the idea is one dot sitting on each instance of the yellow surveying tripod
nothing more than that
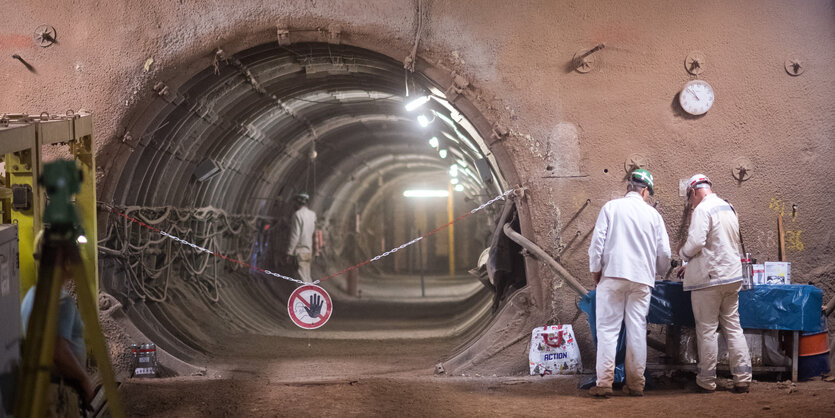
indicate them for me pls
(60, 254)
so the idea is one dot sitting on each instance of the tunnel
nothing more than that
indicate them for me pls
(207, 118)
(219, 162)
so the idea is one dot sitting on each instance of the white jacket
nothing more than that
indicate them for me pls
(712, 247)
(630, 241)
(302, 227)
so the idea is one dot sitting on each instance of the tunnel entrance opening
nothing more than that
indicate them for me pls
(385, 156)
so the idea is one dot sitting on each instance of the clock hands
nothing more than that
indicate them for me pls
(693, 93)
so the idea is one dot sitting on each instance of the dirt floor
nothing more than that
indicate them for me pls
(299, 377)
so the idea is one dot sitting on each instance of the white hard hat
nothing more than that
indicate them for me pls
(696, 180)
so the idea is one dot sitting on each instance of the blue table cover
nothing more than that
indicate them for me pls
(793, 307)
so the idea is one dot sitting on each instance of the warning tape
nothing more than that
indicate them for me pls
(281, 276)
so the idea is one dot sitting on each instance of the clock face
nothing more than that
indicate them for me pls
(696, 97)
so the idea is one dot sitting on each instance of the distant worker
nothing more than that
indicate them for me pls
(70, 382)
(713, 275)
(629, 246)
(302, 228)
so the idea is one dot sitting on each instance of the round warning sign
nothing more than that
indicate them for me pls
(310, 306)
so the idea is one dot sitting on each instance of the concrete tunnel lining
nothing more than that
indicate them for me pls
(240, 116)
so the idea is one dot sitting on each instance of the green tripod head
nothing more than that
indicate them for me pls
(62, 180)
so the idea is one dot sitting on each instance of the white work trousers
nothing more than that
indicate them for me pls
(303, 258)
(617, 301)
(713, 307)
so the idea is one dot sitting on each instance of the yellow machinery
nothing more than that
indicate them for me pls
(22, 138)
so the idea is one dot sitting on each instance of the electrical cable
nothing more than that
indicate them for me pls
(211, 240)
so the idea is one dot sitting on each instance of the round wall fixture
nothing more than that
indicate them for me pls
(695, 62)
(634, 162)
(583, 62)
(794, 67)
(45, 35)
(743, 169)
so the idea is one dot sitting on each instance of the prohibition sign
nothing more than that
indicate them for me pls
(309, 306)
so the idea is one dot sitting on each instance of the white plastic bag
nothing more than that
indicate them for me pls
(554, 350)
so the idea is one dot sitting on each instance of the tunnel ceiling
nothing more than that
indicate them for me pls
(260, 113)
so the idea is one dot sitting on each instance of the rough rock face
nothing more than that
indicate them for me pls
(570, 135)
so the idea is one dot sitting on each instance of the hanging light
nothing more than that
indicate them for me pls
(426, 193)
(453, 170)
(416, 103)
(459, 187)
(423, 121)
(433, 142)
(453, 180)
(442, 153)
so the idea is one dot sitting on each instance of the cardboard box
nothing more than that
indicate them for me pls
(758, 274)
(778, 272)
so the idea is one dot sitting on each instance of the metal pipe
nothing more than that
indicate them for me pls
(541, 255)
(451, 215)
(420, 260)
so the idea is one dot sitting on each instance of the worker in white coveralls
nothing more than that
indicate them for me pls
(713, 275)
(302, 227)
(629, 245)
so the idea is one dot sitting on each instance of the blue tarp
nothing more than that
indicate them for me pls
(793, 307)
(670, 305)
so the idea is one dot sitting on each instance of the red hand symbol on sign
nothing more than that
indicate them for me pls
(309, 306)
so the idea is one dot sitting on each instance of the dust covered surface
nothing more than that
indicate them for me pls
(430, 396)
(286, 377)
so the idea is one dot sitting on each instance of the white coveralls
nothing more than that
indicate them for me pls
(302, 227)
(713, 276)
(629, 245)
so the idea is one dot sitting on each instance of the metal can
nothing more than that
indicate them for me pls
(146, 361)
(747, 272)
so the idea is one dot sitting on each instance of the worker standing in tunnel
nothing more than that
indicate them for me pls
(629, 245)
(713, 275)
(302, 228)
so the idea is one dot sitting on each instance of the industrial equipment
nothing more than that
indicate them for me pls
(9, 318)
(60, 254)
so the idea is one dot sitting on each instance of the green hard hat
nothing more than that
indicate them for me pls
(302, 197)
(643, 177)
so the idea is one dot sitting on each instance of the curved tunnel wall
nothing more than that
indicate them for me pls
(276, 121)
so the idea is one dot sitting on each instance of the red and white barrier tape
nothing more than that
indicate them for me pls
(281, 276)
